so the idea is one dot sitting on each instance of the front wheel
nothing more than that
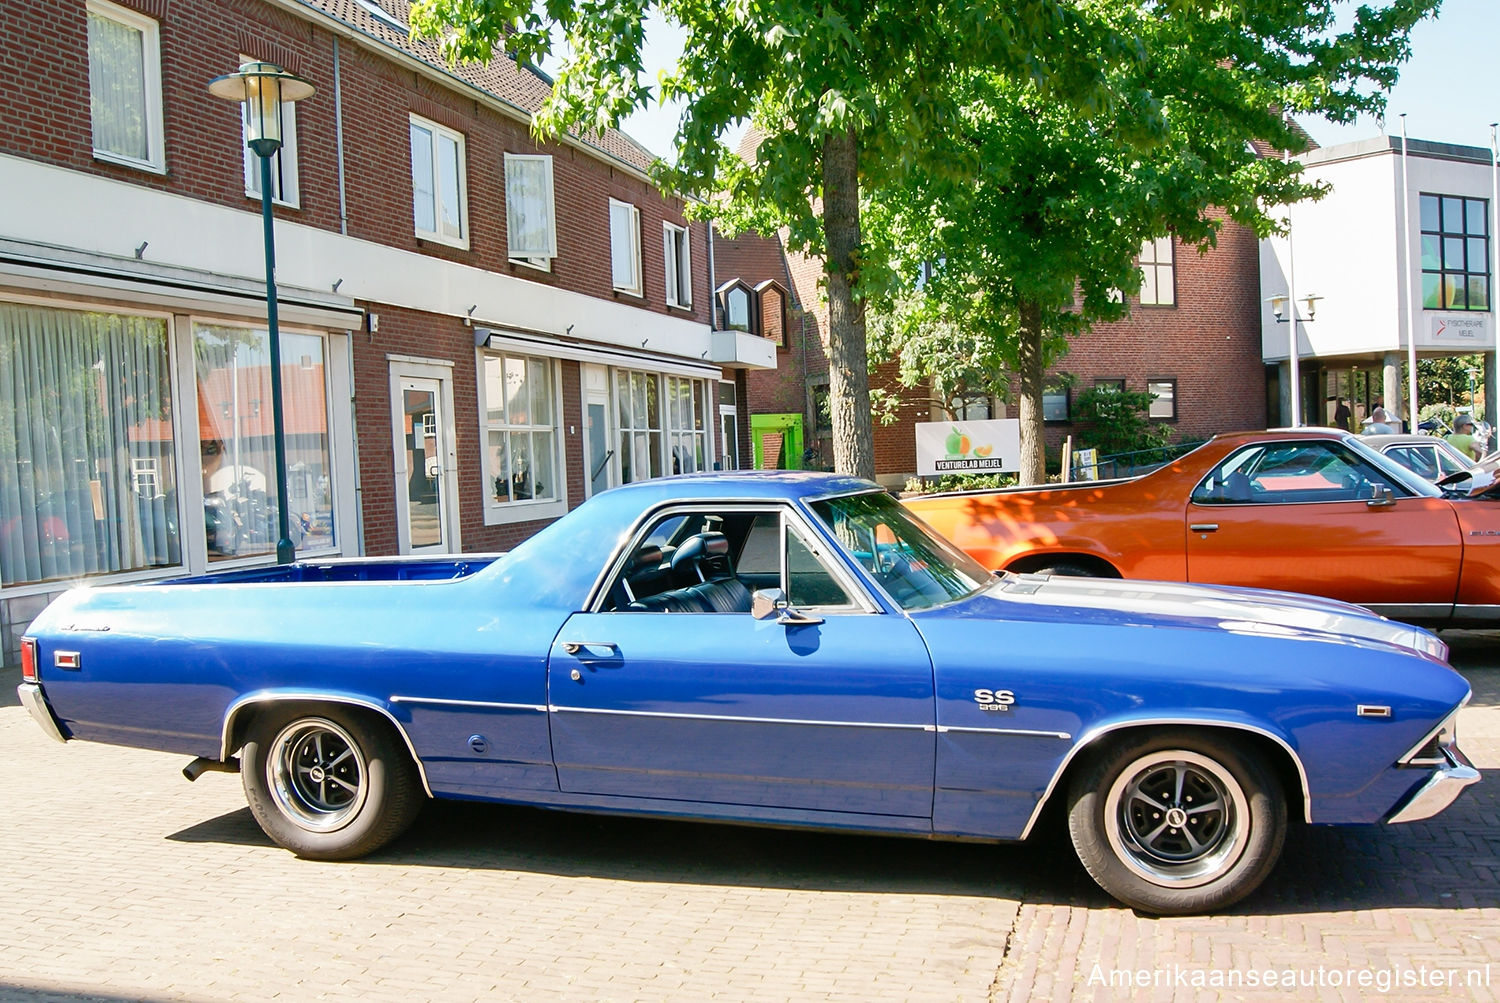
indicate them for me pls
(328, 783)
(1175, 823)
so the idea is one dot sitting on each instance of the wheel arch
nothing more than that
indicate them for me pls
(1034, 561)
(1275, 749)
(240, 714)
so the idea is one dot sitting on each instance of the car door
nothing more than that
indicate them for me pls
(1313, 516)
(834, 715)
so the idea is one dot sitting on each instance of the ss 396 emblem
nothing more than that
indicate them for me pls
(997, 700)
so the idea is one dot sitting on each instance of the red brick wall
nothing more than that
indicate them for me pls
(447, 339)
(44, 56)
(1209, 342)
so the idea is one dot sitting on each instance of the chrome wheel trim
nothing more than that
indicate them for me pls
(317, 774)
(1209, 808)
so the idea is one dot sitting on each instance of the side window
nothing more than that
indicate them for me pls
(1416, 458)
(1281, 473)
(809, 582)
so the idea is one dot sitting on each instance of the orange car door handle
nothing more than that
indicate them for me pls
(1204, 527)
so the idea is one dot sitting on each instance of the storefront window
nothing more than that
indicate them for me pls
(520, 425)
(237, 445)
(640, 425)
(88, 482)
(687, 427)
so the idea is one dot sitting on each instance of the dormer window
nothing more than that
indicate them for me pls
(736, 307)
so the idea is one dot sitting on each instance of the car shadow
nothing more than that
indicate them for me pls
(1439, 864)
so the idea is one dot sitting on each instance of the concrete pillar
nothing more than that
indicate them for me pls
(1391, 388)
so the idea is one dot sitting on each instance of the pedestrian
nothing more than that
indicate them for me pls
(1462, 437)
(1380, 422)
(1341, 414)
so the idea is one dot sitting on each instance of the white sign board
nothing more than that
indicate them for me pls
(1470, 332)
(968, 447)
(1086, 465)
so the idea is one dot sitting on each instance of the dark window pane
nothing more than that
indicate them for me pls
(1479, 254)
(1478, 210)
(1431, 253)
(1479, 292)
(1453, 214)
(1431, 291)
(1453, 254)
(1430, 213)
(1453, 291)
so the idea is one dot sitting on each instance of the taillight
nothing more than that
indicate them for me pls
(28, 660)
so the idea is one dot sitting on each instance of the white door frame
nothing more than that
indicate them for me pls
(405, 372)
(595, 385)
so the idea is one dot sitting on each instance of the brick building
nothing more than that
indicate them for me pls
(478, 330)
(1192, 337)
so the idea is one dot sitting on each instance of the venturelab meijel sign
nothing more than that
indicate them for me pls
(968, 447)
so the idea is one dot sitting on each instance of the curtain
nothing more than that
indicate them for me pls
(117, 88)
(88, 483)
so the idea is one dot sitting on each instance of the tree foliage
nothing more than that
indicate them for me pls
(847, 96)
(1037, 241)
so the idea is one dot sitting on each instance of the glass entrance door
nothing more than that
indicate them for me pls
(421, 433)
(598, 444)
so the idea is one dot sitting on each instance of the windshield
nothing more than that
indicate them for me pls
(916, 567)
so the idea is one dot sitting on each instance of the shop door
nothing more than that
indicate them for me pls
(422, 434)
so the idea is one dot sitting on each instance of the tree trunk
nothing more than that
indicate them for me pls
(1032, 373)
(844, 339)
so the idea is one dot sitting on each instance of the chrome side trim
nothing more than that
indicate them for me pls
(1442, 788)
(339, 698)
(1093, 735)
(1473, 613)
(439, 702)
(944, 729)
(36, 705)
(894, 726)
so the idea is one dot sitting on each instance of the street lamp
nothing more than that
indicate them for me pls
(262, 88)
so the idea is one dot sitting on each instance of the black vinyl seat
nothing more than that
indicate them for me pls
(704, 578)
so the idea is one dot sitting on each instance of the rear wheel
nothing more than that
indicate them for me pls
(330, 782)
(1179, 822)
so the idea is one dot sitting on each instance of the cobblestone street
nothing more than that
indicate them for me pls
(123, 881)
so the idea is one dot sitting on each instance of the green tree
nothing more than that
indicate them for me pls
(848, 96)
(1037, 240)
(1447, 379)
(1117, 421)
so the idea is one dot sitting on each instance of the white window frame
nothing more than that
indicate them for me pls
(1158, 261)
(539, 255)
(439, 234)
(286, 189)
(150, 30)
(632, 223)
(676, 267)
(498, 513)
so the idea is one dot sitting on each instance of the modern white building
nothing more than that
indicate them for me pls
(1383, 232)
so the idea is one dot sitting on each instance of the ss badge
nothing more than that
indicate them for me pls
(999, 700)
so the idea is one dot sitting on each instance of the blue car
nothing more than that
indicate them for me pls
(780, 649)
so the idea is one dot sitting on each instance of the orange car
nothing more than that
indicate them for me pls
(1302, 510)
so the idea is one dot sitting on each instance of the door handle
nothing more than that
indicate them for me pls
(574, 647)
(1204, 527)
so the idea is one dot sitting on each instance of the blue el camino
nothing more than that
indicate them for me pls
(783, 649)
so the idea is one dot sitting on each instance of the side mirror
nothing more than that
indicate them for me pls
(772, 604)
(1381, 497)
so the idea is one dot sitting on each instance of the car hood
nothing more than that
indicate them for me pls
(1173, 604)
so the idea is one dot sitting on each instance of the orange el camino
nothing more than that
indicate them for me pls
(1302, 510)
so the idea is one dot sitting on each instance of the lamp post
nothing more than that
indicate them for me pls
(1280, 307)
(262, 88)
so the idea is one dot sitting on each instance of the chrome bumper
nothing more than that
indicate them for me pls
(1441, 789)
(35, 702)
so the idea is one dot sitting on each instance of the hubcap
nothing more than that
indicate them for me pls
(1177, 818)
(317, 774)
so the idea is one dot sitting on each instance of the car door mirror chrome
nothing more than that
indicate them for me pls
(767, 604)
(1381, 498)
